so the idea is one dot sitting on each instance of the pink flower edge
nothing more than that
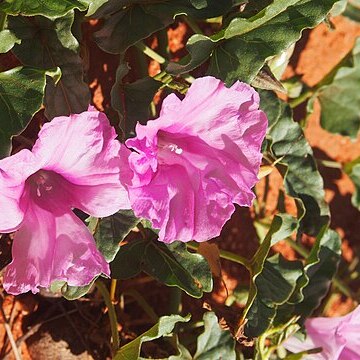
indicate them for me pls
(74, 163)
(196, 160)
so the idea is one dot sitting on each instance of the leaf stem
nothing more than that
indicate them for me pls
(161, 60)
(7, 327)
(329, 164)
(113, 290)
(192, 24)
(150, 52)
(302, 98)
(297, 247)
(112, 314)
(175, 305)
(143, 304)
(227, 255)
(3, 17)
(163, 44)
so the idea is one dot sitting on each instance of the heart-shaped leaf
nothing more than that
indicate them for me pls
(302, 180)
(48, 8)
(164, 327)
(127, 21)
(171, 264)
(21, 96)
(47, 44)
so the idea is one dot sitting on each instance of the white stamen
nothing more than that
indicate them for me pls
(174, 148)
(42, 183)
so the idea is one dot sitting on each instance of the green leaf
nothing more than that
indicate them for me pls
(214, 343)
(353, 170)
(75, 292)
(125, 26)
(184, 353)
(21, 96)
(48, 8)
(275, 284)
(302, 180)
(285, 289)
(164, 327)
(339, 96)
(352, 10)
(241, 50)
(338, 8)
(46, 44)
(171, 264)
(7, 41)
(200, 48)
(320, 268)
(251, 41)
(127, 22)
(132, 101)
(94, 5)
(111, 230)
(199, 4)
(240, 26)
(70, 292)
(266, 80)
(282, 226)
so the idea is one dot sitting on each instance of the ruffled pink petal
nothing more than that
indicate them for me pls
(188, 218)
(348, 354)
(202, 154)
(339, 337)
(151, 202)
(52, 245)
(226, 119)
(14, 171)
(83, 149)
(351, 330)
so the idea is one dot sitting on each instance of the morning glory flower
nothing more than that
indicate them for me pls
(339, 337)
(74, 164)
(196, 160)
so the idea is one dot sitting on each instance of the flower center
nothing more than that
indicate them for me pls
(174, 148)
(42, 180)
(167, 143)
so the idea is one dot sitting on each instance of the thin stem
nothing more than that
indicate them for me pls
(150, 52)
(10, 335)
(163, 44)
(175, 305)
(161, 60)
(227, 255)
(297, 247)
(343, 288)
(192, 24)
(142, 303)
(329, 164)
(265, 196)
(302, 98)
(113, 291)
(112, 314)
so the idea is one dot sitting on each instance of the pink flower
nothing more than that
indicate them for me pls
(73, 164)
(339, 337)
(198, 158)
